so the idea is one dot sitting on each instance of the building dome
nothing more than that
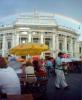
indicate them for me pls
(45, 19)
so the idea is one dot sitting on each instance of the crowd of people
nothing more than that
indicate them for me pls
(11, 69)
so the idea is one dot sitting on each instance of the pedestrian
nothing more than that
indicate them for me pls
(17, 66)
(49, 66)
(60, 77)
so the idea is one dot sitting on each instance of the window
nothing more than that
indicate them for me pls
(48, 41)
(68, 46)
(1, 35)
(9, 44)
(35, 40)
(9, 34)
(46, 32)
(60, 46)
(23, 40)
(0, 45)
(80, 50)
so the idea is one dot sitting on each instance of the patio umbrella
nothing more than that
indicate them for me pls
(28, 49)
(66, 60)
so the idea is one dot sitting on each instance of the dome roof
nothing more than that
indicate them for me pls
(37, 18)
(67, 22)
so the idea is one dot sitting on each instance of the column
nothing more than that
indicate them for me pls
(78, 45)
(54, 44)
(65, 44)
(42, 38)
(76, 48)
(42, 41)
(13, 40)
(17, 39)
(4, 46)
(29, 36)
(71, 47)
(57, 44)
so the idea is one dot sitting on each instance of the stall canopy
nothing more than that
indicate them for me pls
(28, 49)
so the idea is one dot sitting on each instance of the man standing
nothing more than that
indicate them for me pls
(60, 77)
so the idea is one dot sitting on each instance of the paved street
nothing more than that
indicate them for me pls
(74, 93)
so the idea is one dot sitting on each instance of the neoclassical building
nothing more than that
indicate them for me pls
(80, 50)
(58, 32)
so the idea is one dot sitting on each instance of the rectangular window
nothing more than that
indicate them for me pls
(80, 49)
(35, 40)
(9, 44)
(0, 45)
(48, 41)
(60, 46)
(23, 40)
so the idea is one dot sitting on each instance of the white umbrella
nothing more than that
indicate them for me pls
(66, 60)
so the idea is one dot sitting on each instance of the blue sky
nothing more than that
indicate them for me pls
(70, 8)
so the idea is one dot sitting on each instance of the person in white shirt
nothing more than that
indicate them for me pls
(9, 81)
(60, 77)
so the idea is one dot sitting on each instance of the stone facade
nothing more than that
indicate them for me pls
(79, 47)
(39, 28)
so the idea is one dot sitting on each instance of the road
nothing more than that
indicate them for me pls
(74, 92)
